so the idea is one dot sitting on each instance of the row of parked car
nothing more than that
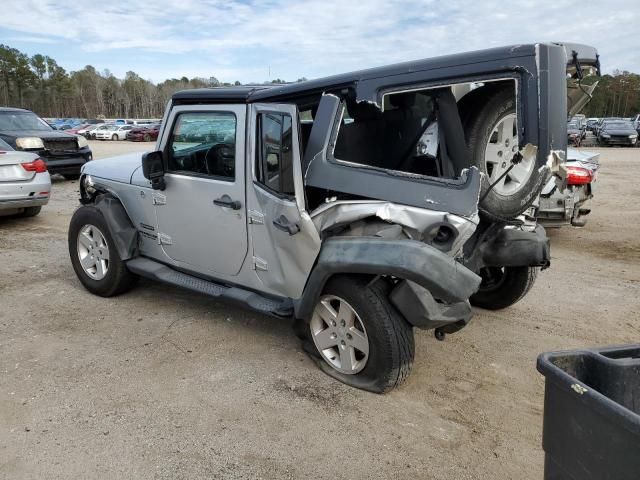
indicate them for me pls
(110, 131)
(612, 131)
(119, 129)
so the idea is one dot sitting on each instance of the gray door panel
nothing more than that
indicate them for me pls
(282, 261)
(193, 230)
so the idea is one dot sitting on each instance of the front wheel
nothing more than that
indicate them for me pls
(94, 256)
(358, 337)
(114, 137)
(502, 287)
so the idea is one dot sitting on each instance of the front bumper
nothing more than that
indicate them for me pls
(67, 164)
(618, 141)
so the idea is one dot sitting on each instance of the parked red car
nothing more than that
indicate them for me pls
(145, 133)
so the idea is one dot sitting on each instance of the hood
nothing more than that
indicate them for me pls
(36, 133)
(117, 169)
(574, 131)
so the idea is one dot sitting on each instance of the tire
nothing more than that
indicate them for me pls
(114, 137)
(117, 278)
(147, 137)
(30, 212)
(503, 287)
(388, 335)
(521, 186)
(71, 176)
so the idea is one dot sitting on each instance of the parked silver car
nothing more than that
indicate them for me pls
(25, 184)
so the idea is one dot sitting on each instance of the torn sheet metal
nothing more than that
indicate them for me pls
(417, 223)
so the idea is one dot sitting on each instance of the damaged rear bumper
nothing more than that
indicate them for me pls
(423, 311)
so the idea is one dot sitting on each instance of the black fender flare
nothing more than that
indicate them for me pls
(124, 234)
(443, 276)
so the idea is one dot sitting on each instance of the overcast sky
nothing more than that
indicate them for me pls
(258, 40)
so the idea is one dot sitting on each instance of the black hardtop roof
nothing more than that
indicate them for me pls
(267, 93)
(380, 75)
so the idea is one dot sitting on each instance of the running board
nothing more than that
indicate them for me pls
(153, 270)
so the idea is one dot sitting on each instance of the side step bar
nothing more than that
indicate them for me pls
(153, 270)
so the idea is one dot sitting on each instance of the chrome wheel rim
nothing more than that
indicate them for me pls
(502, 146)
(339, 335)
(93, 252)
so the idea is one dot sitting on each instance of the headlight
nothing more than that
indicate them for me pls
(87, 183)
(82, 142)
(606, 135)
(633, 136)
(26, 143)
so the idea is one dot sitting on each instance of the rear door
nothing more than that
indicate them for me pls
(285, 243)
(201, 214)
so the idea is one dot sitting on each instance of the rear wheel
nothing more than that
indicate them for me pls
(94, 255)
(502, 287)
(30, 212)
(492, 137)
(359, 337)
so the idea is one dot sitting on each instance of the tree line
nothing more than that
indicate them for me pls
(38, 83)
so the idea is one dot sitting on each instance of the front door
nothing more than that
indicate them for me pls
(201, 214)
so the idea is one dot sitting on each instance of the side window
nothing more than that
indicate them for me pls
(274, 162)
(203, 144)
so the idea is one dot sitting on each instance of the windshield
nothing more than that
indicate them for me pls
(4, 146)
(573, 125)
(22, 121)
(618, 125)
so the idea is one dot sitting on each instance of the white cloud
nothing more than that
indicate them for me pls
(319, 37)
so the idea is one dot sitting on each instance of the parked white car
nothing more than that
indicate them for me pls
(113, 132)
(86, 132)
(25, 184)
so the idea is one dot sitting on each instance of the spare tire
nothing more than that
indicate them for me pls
(492, 138)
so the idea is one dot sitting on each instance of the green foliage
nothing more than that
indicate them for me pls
(38, 83)
(617, 95)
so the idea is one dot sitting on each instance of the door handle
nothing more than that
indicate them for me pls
(225, 201)
(283, 223)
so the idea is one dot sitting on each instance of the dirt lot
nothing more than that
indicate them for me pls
(161, 383)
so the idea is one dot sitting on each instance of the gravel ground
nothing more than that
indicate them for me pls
(162, 383)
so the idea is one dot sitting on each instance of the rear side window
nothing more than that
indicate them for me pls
(203, 144)
(274, 162)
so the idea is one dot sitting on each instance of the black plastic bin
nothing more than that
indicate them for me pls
(591, 425)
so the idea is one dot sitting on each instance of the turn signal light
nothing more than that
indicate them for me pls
(37, 166)
(578, 176)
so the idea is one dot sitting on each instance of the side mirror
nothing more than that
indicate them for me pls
(153, 169)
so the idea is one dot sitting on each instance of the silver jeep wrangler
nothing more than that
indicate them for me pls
(360, 206)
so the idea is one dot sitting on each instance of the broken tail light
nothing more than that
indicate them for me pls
(38, 166)
(578, 176)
